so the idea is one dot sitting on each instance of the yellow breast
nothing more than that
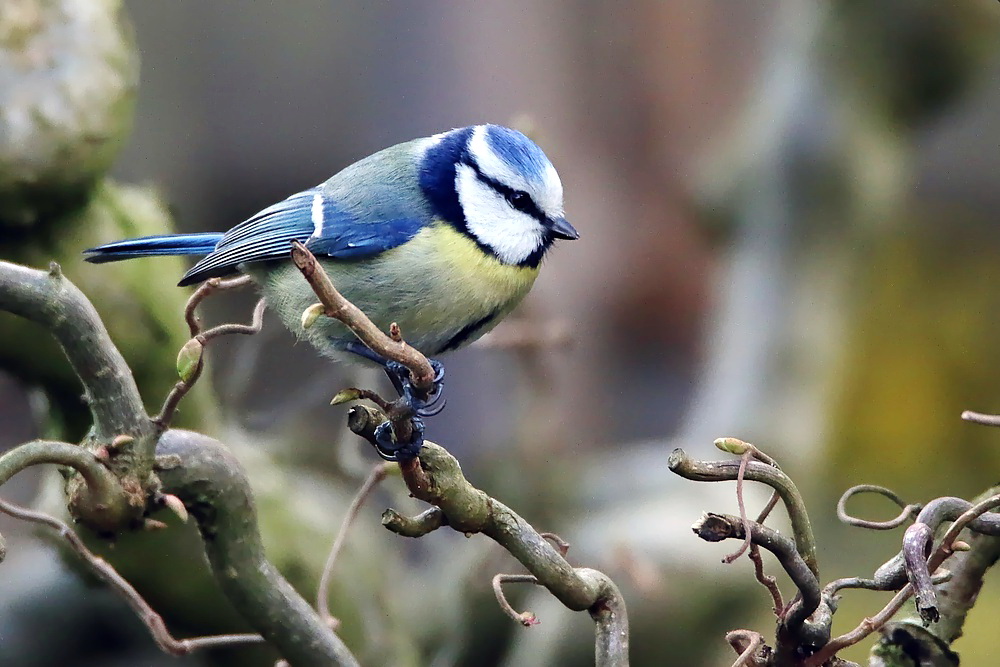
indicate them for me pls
(435, 286)
(472, 269)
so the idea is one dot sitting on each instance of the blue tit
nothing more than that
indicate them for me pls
(443, 235)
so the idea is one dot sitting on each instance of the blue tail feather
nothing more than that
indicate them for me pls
(150, 246)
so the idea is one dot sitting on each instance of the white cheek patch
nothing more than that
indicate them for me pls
(513, 235)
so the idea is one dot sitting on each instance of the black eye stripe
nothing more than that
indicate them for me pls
(518, 199)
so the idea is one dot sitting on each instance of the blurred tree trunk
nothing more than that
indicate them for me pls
(68, 77)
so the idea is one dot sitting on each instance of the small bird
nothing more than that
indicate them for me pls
(443, 235)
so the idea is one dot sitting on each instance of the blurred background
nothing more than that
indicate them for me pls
(788, 235)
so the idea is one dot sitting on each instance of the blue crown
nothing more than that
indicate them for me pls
(518, 151)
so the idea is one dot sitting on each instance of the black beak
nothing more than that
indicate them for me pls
(561, 229)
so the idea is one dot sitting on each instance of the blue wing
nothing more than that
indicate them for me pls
(310, 217)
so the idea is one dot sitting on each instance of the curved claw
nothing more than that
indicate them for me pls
(423, 406)
(435, 407)
(385, 447)
(438, 371)
(389, 450)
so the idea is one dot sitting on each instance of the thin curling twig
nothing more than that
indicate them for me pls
(525, 618)
(153, 621)
(436, 478)
(205, 290)
(191, 361)
(375, 477)
(336, 306)
(256, 324)
(733, 446)
(559, 543)
(869, 625)
(909, 510)
(766, 580)
(747, 643)
(740, 476)
(717, 527)
(717, 471)
(980, 418)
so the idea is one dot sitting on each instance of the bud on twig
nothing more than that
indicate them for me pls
(189, 359)
(311, 314)
(733, 446)
(346, 396)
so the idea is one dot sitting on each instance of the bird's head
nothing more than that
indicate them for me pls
(495, 185)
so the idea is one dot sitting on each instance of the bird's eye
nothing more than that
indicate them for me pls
(520, 200)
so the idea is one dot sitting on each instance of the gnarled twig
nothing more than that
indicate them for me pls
(191, 360)
(717, 527)
(437, 478)
(336, 306)
(204, 474)
(909, 510)
(54, 302)
(718, 471)
(525, 618)
(750, 646)
(104, 571)
(944, 549)
(417, 526)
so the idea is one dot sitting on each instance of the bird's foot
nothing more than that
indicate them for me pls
(423, 403)
(390, 450)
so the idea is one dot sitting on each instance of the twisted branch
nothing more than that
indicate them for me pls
(909, 510)
(972, 516)
(55, 303)
(210, 481)
(437, 478)
(106, 573)
(191, 359)
(718, 471)
(116, 483)
(717, 527)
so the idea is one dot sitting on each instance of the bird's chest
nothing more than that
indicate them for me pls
(440, 287)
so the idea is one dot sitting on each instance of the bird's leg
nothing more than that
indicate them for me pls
(424, 404)
(420, 403)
